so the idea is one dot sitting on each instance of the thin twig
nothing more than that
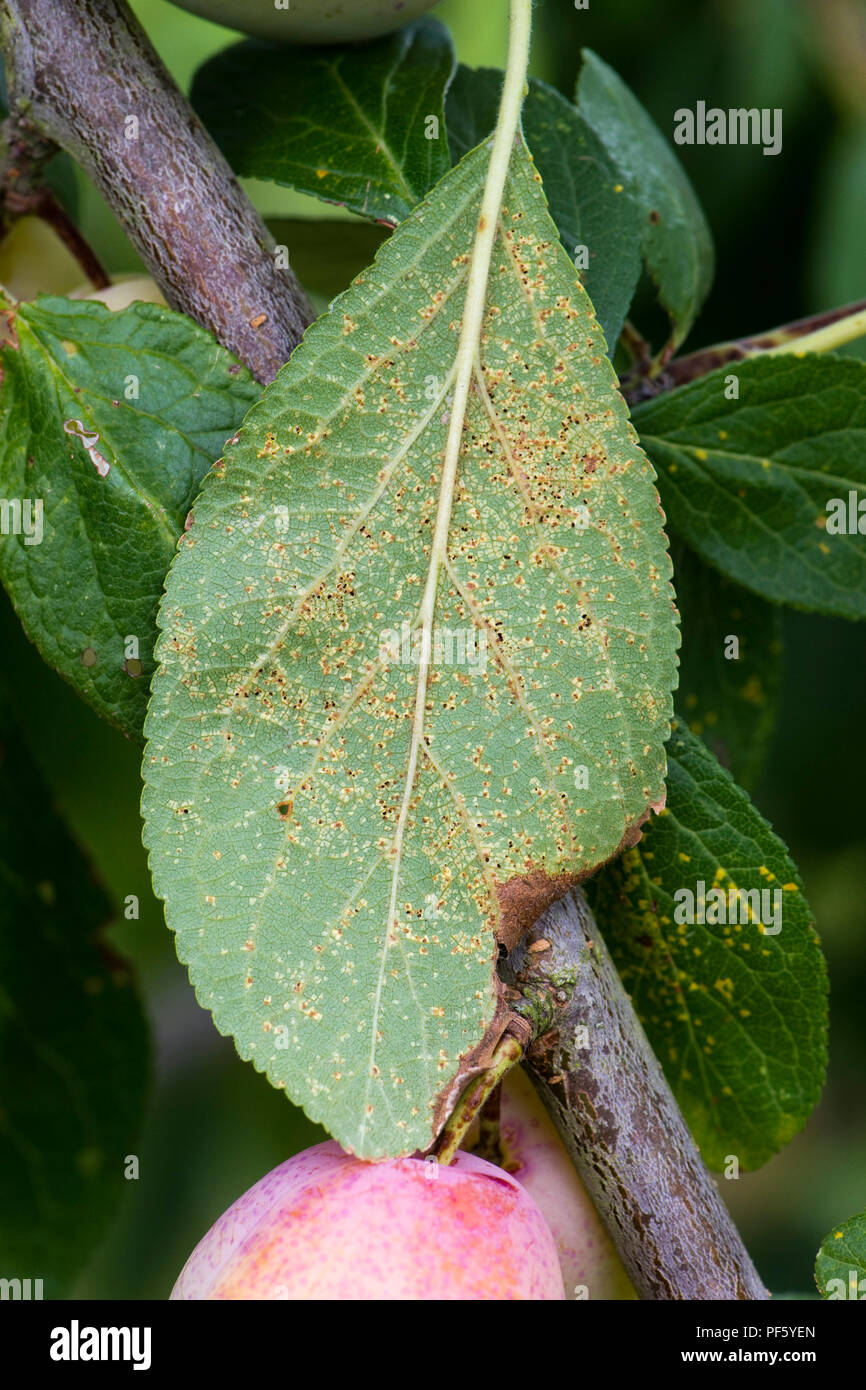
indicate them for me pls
(26, 155)
(24, 191)
(817, 333)
(52, 211)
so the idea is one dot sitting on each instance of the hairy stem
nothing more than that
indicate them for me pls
(84, 76)
(598, 1076)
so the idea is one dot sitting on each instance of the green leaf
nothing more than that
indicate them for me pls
(587, 199)
(727, 693)
(676, 243)
(69, 412)
(747, 482)
(333, 874)
(737, 1015)
(840, 1266)
(351, 124)
(326, 255)
(73, 1040)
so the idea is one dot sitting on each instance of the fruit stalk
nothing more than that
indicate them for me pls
(603, 1087)
(85, 76)
(508, 1053)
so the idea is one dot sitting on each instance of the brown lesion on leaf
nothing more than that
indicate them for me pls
(522, 900)
(524, 897)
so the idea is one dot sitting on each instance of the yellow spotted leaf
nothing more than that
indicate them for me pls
(368, 753)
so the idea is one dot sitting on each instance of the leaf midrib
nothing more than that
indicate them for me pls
(377, 135)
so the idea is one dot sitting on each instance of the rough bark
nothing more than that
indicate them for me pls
(82, 73)
(618, 1118)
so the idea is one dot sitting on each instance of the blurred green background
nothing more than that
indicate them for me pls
(790, 233)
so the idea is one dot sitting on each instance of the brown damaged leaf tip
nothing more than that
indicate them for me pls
(524, 898)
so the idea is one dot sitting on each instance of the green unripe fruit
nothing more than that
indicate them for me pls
(33, 260)
(310, 21)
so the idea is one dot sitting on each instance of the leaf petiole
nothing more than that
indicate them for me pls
(508, 1053)
(840, 328)
(819, 333)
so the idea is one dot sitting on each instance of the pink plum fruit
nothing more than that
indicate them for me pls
(534, 1153)
(325, 1225)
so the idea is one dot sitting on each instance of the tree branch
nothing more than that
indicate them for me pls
(599, 1078)
(83, 74)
